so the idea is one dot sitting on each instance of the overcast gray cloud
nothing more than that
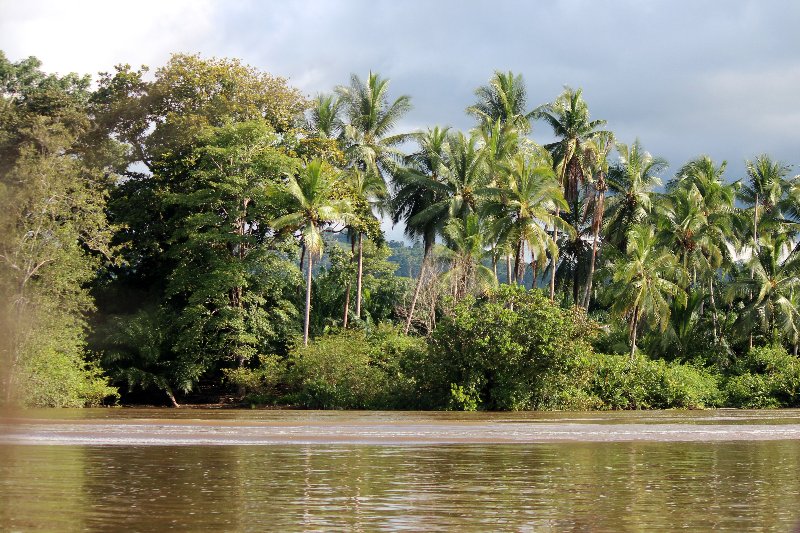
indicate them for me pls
(687, 77)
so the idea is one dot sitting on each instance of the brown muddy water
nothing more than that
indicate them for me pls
(248, 470)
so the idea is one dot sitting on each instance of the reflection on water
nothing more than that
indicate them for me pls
(621, 486)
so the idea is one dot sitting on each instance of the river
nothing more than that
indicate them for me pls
(257, 470)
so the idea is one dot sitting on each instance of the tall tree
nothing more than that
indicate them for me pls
(502, 101)
(366, 137)
(55, 237)
(600, 147)
(523, 210)
(413, 195)
(645, 278)
(312, 201)
(631, 180)
(764, 189)
(569, 118)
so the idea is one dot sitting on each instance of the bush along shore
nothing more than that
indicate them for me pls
(207, 231)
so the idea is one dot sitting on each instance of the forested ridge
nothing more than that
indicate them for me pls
(205, 232)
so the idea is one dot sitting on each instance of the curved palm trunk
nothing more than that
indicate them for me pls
(634, 327)
(419, 286)
(308, 302)
(360, 273)
(553, 260)
(597, 221)
(713, 306)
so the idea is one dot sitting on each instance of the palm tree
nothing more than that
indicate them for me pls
(367, 191)
(366, 138)
(631, 180)
(701, 214)
(413, 196)
(523, 210)
(324, 118)
(764, 188)
(464, 251)
(770, 287)
(312, 201)
(502, 101)
(368, 146)
(568, 116)
(600, 147)
(459, 188)
(644, 279)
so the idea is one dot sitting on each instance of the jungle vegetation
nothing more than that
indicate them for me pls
(205, 231)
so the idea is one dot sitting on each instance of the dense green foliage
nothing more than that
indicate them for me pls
(208, 232)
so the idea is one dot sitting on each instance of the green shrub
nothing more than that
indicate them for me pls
(500, 352)
(353, 370)
(765, 377)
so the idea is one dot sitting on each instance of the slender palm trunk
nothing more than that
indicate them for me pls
(634, 327)
(534, 270)
(508, 269)
(360, 273)
(575, 276)
(553, 260)
(713, 306)
(519, 264)
(308, 302)
(347, 291)
(598, 221)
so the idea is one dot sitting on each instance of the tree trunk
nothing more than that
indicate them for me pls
(171, 397)
(360, 271)
(597, 222)
(634, 327)
(349, 284)
(416, 290)
(534, 269)
(346, 306)
(519, 264)
(713, 306)
(575, 275)
(508, 269)
(308, 302)
(553, 260)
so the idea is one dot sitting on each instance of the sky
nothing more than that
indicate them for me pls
(686, 77)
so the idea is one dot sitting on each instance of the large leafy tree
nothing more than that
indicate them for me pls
(55, 236)
(464, 251)
(312, 203)
(224, 254)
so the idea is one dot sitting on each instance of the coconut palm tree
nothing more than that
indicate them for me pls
(503, 101)
(600, 148)
(769, 287)
(413, 195)
(568, 116)
(464, 250)
(763, 189)
(460, 187)
(631, 181)
(312, 203)
(366, 138)
(706, 201)
(644, 279)
(522, 211)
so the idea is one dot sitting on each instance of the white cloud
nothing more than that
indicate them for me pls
(90, 36)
